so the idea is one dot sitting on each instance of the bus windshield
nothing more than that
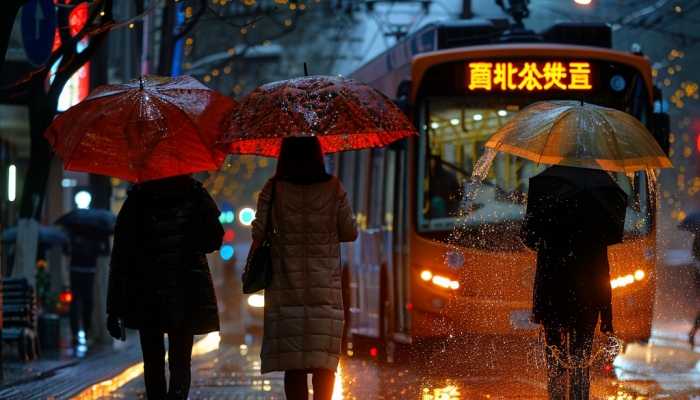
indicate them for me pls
(452, 139)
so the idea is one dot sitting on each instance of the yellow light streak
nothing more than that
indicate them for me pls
(338, 385)
(625, 280)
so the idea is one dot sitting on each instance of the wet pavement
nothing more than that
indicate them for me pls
(653, 371)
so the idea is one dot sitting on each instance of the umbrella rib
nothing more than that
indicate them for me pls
(69, 155)
(197, 129)
(549, 133)
(614, 139)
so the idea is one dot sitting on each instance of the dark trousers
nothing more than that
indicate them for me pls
(296, 388)
(573, 346)
(83, 287)
(694, 330)
(179, 358)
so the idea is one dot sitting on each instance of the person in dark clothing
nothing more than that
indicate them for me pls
(696, 255)
(573, 215)
(84, 250)
(160, 281)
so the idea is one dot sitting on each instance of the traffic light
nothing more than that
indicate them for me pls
(227, 251)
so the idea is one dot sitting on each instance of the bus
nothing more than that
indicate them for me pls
(409, 277)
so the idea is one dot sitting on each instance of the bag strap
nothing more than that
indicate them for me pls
(268, 220)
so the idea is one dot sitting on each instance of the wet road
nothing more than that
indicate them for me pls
(476, 367)
(510, 370)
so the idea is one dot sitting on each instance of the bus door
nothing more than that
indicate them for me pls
(398, 279)
(365, 272)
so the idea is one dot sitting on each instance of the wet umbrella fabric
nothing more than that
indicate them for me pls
(146, 129)
(573, 214)
(47, 235)
(691, 223)
(578, 134)
(97, 221)
(344, 114)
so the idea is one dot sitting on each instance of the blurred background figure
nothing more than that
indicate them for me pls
(691, 223)
(85, 246)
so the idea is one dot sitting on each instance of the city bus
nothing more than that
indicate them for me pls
(425, 265)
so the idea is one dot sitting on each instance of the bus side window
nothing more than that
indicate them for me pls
(362, 187)
(378, 176)
(347, 176)
(332, 162)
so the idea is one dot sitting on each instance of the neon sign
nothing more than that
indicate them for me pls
(530, 76)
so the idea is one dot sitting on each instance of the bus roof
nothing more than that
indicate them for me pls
(422, 62)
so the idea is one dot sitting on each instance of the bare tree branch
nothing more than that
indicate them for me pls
(193, 21)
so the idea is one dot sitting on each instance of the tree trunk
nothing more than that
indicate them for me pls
(42, 109)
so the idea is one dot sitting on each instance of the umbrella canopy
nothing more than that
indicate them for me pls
(691, 222)
(344, 114)
(578, 134)
(146, 129)
(96, 221)
(47, 235)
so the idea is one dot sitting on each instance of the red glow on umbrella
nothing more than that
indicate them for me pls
(229, 235)
(166, 128)
(344, 114)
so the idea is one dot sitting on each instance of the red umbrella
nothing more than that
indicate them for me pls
(343, 113)
(150, 128)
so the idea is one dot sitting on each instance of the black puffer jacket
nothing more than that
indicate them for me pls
(159, 276)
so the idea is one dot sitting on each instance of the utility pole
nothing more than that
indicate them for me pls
(467, 12)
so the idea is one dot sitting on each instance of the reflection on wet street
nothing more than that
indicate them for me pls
(658, 370)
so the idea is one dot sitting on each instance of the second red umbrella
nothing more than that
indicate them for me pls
(151, 128)
(344, 114)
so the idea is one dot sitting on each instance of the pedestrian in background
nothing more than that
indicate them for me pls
(83, 252)
(573, 215)
(304, 318)
(160, 281)
(696, 255)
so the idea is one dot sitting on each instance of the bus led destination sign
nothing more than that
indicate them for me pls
(531, 76)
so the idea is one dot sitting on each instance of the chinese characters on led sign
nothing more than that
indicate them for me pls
(529, 76)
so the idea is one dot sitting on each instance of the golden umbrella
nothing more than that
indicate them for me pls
(579, 134)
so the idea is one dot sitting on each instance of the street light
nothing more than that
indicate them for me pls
(11, 183)
(83, 199)
(583, 2)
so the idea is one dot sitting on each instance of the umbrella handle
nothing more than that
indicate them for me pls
(141, 82)
(306, 70)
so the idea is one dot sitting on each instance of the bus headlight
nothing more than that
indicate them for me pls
(439, 280)
(625, 280)
(426, 275)
(256, 300)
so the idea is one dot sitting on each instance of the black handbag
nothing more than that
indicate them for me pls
(257, 274)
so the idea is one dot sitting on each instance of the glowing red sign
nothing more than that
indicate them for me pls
(529, 76)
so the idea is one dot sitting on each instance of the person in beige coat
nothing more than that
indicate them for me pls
(304, 319)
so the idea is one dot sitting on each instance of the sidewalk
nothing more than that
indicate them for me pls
(60, 375)
(220, 372)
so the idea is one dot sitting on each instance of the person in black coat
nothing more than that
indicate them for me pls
(573, 215)
(159, 277)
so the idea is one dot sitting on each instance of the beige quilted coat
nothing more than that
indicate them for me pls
(303, 304)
